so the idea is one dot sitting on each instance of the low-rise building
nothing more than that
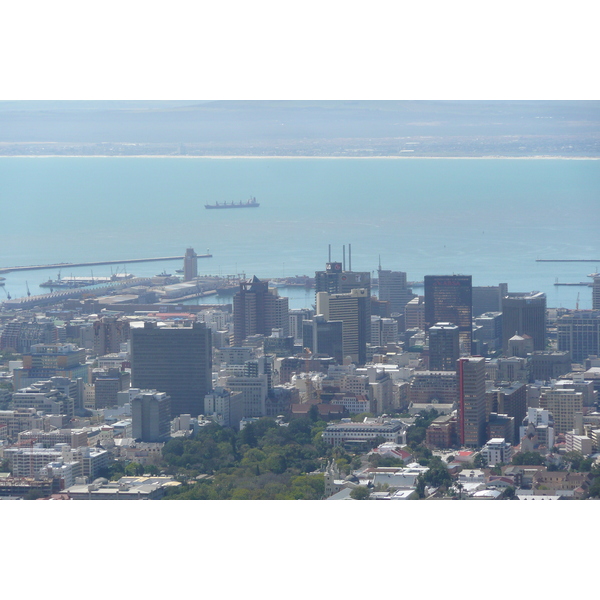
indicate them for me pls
(338, 434)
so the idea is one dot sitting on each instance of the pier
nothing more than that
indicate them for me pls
(95, 263)
(596, 260)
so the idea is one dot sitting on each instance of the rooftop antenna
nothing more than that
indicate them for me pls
(344, 258)
(349, 257)
(329, 252)
(379, 269)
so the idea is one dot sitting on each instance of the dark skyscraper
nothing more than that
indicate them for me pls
(448, 299)
(443, 347)
(175, 360)
(256, 310)
(324, 337)
(524, 314)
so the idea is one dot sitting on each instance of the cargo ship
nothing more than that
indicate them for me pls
(252, 203)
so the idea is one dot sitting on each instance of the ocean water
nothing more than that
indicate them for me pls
(489, 218)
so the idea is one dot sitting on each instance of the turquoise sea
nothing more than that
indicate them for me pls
(489, 218)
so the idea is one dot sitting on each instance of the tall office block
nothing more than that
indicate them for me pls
(443, 347)
(176, 360)
(353, 310)
(448, 299)
(563, 404)
(488, 298)
(471, 400)
(190, 265)
(151, 416)
(596, 293)
(324, 338)
(109, 334)
(392, 289)
(258, 310)
(524, 314)
(579, 334)
(296, 317)
(335, 280)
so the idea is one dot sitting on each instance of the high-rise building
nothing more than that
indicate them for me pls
(335, 280)
(563, 404)
(353, 309)
(448, 299)
(176, 360)
(297, 316)
(109, 334)
(258, 310)
(524, 314)
(324, 338)
(488, 298)
(151, 416)
(414, 313)
(392, 289)
(596, 293)
(443, 347)
(471, 400)
(579, 334)
(190, 265)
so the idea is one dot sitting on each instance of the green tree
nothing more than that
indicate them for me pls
(362, 492)
(528, 458)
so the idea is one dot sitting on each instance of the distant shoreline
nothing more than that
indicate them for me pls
(249, 156)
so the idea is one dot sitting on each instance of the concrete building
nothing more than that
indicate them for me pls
(225, 407)
(296, 317)
(392, 289)
(490, 333)
(323, 337)
(257, 310)
(538, 428)
(43, 397)
(383, 331)
(488, 299)
(496, 451)
(109, 333)
(190, 265)
(176, 360)
(336, 280)
(511, 400)
(524, 314)
(579, 334)
(448, 299)
(414, 313)
(563, 404)
(549, 365)
(471, 400)
(44, 361)
(353, 310)
(444, 349)
(151, 416)
(339, 434)
(427, 387)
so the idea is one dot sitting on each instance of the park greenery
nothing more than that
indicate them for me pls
(262, 461)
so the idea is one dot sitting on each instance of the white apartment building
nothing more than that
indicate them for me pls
(496, 451)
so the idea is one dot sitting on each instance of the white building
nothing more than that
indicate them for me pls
(496, 451)
(338, 434)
